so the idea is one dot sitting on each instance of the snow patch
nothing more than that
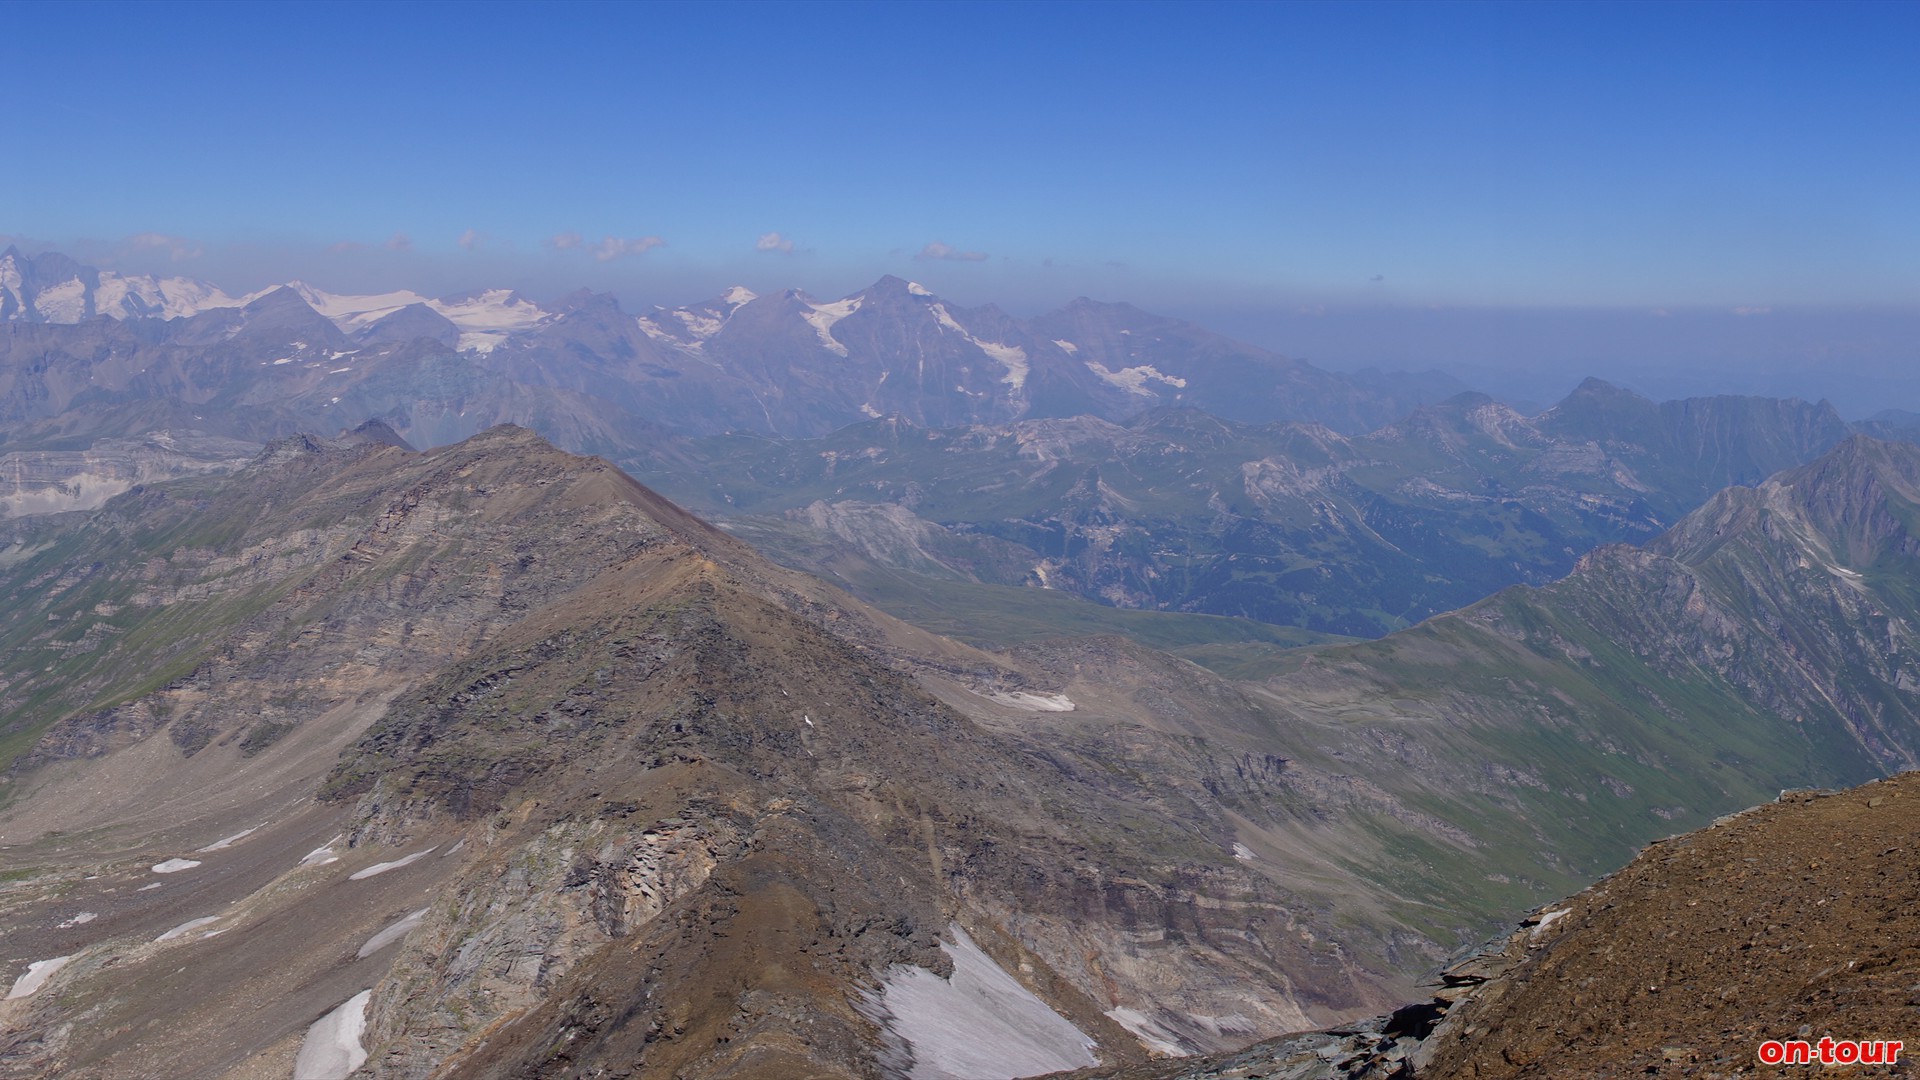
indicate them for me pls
(222, 845)
(917, 289)
(823, 316)
(332, 1050)
(1020, 699)
(322, 855)
(380, 868)
(1547, 920)
(485, 319)
(653, 330)
(37, 975)
(493, 309)
(1069, 347)
(738, 295)
(155, 885)
(174, 866)
(1134, 379)
(187, 927)
(1151, 1035)
(1243, 852)
(123, 296)
(391, 934)
(64, 303)
(700, 326)
(978, 1024)
(80, 919)
(484, 341)
(1011, 357)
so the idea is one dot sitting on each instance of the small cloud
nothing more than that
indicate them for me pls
(1744, 311)
(613, 247)
(469, 240)
(1311, 309)
(1661, 313)
(1115, 264)
(399, 242)
(345, 246)
(1377, 278)
(566, 241)
(178, 249)
(938, 250)
(773, 242)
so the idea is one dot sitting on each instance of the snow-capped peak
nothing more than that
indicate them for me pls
(485, 318)
(917, 289)
(738, 295)
(350, 313)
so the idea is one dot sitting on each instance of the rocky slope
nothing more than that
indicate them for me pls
(618, 794)
(585, 786)
(1786, 924)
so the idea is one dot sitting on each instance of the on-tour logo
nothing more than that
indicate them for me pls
(1830, 1051)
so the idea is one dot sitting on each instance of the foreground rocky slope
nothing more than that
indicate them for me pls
(561, 778)
(1788, 923)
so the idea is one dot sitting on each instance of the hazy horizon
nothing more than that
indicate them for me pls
(1511, 193)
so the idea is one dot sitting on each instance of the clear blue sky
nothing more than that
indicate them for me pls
(1240, 157)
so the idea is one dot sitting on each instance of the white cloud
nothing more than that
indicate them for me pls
(774, 242)
(938, 250)
(613, 247)
(399, 242)
(1753, 311)
(469, 240)
(178, 248)
(566, 241)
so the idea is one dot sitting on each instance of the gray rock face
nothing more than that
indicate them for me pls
(410, 322)
(55, 481)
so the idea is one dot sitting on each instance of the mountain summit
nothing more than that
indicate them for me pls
(783, 364)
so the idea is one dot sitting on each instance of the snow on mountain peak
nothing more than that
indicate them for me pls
(1011, 357)
(738, 295)
(917, 289)
(823, 316)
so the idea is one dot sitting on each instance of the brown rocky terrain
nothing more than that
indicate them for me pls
(1790, 922)
(610, 793)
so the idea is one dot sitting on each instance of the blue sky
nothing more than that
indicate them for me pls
(1239, 158)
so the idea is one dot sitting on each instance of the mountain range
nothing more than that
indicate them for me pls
(1290, 524)
(438, 370)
